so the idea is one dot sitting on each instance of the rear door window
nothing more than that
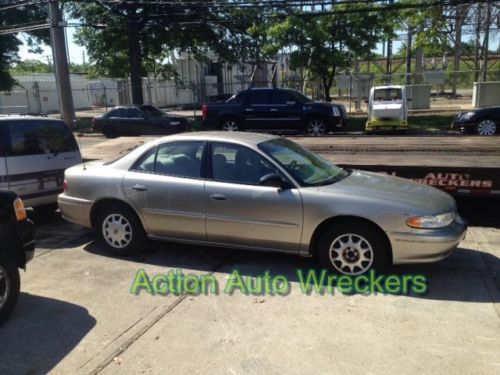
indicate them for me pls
(263, 97)
(40, 137)
(118, 113)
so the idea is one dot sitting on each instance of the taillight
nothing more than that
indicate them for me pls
(65, 185)
(19, 209)
(204, 111)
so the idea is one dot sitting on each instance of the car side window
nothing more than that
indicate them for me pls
(238, 164)
(262, 97)
(146, 163)
(180, 159)
(118, 113)
(282, 97)
(134, 113)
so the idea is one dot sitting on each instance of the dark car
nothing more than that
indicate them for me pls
(18, 246)
(274, 110)
(482, 121)
(139, 120)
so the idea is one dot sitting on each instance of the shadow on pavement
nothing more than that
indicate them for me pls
(466, 276)
(40, 333)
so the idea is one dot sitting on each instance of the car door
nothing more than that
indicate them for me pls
(286, 112)
(257, 109)
(137, 122)
(166, 187)
(117, 120)
(239, 211)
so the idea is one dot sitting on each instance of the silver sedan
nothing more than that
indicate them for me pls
(260, 192)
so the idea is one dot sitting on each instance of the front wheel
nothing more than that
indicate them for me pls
(316, 127)
(486, 128)
(352, 249)
(121, 230)
(9, 288)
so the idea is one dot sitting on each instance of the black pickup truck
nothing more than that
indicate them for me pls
(274, 110)
(16, 249)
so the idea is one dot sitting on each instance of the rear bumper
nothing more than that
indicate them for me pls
(75, 210)
(392, 124)
(422, 246)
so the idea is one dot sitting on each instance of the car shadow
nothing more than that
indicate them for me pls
(467, 275)
(40, 333)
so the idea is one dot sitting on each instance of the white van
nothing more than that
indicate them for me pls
(34, 153)
(387, 108)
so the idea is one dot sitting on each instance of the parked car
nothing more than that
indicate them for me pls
(387, 108)
(34, 153)
(482, 121)
(260, 192)
(139, 120)
(274, 110)
(18, 246)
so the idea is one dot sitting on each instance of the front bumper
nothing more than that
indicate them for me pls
(464, 127)
(426, 245)
(26, 233)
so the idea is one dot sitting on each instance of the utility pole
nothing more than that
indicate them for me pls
(486, 41)
(388, 69)
(134, 54)
(57, 38)
(408, 55)
(460, 13)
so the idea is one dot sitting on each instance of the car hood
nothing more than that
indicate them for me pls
(394, 189)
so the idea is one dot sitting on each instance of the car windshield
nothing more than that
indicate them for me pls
(305, 167)
(152, 111)
(301, 97)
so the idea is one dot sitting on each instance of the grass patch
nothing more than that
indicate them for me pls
(419, 122)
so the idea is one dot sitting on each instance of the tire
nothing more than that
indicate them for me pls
(366, 243)
(109, 132)
(230, 125)
(316, 127)
(486, 128)
(120, 230)
(9, 288)
(46, 209)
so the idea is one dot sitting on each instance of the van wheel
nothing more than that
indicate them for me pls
(120, 230)
(9, 288)
(352, 248)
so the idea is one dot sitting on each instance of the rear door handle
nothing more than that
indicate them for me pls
(249, 109)
(274, 109)
(139, 187)
(218, 197)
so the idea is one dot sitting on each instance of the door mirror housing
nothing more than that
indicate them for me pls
(273, 180)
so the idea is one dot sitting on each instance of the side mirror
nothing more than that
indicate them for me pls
(273, 180)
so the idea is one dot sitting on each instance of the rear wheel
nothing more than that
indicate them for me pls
(316, 127)
(352, 248)
(486, 128)
(120, 230)
(230, 125)
(9, 288)
(109, 132)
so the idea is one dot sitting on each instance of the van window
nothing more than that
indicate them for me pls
(32, 137)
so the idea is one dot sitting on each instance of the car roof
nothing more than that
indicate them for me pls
(248, 138)
(388, 87)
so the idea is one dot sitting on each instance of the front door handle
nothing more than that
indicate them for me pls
(139, 187)
(249, 109)
(218, 197)
(274, 109)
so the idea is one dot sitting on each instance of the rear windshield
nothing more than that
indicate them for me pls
(387, 94)
(40, 137)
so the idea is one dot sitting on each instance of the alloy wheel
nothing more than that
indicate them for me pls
(351, 254)
(486, 127)
(230, 126)
(316, 127)
(117, 231)
(4, 286)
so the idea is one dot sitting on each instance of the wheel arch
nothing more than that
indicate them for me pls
(313, 245)
(100, 204)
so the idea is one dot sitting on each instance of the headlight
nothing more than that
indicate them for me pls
(431, 221)
(335, 112)
(467, 115)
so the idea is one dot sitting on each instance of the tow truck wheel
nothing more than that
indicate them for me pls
(486, 127)
(9, 288)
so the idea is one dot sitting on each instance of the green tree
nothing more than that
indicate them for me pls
(9, 43)
(325, 44)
